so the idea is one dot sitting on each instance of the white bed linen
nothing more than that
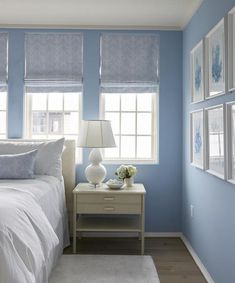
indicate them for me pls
(33, 228)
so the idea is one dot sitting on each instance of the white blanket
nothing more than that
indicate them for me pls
(27, 239)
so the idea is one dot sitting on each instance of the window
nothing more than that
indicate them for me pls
(3, 84)
(53, 85)
(129, 96)
(51, 114)
(133, 120)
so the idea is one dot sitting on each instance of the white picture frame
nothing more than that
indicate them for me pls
(231, 50)
(215, 129)
(215, 61)
(230, 115)
(197, 72)
(197, 138)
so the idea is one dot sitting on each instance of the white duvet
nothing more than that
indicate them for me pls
(27, 239)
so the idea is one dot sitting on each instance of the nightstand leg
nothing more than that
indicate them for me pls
(142, 227)
(74, 223)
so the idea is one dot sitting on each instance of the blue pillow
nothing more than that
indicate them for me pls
(17, 166)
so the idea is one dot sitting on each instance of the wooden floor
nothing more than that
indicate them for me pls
(172, 260)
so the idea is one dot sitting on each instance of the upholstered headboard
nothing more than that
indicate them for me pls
(68, 164)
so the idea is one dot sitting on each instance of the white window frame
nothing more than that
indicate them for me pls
(155, 132)
(6, 112)
(28, 120)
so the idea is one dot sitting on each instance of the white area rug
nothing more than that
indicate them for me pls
(104, 269)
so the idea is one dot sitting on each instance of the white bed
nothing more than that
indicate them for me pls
(49, 193)
(33, 223)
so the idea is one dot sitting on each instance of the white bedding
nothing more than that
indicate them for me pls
(33, 228)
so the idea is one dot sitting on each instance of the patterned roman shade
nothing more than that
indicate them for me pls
(129, 62)
(53, 57)
(3, 57)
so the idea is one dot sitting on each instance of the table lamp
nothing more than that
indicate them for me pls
(96, 134)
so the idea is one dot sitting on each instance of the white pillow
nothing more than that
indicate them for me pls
(48, 159)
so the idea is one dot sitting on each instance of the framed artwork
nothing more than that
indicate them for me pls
(197, 73)
(215, 60)
(231, 50)
(197, 138)
(231, 141)
(215, 140)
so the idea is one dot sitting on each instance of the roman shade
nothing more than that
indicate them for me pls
(53, 87)
(3, 58)
(51, 58)
(129, 62)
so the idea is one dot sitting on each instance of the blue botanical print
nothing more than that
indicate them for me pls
(197, 141)
(216, 64)
(197, 75)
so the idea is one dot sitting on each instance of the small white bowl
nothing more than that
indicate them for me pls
(114, 185)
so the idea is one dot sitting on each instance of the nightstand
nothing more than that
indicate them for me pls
(104, 210)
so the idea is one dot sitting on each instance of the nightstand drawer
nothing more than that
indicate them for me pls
(108, 208)
(109, 198)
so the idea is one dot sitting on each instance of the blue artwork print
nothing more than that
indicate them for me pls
(197, 140)
(197, 75)
(216, 63)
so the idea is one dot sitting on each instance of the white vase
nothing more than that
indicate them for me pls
(129, 181)
(95, 172)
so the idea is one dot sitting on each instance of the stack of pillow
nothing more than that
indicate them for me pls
(24, 160)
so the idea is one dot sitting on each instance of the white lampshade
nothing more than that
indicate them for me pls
(96, 134)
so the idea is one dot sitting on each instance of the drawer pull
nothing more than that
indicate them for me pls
(109, 208)
(109, 198)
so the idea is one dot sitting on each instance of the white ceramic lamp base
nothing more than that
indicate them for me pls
(95, 172)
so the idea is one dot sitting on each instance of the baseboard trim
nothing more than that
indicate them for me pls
(197, 260)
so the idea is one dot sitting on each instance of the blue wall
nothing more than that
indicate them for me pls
(212, 230)
(163, 181)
